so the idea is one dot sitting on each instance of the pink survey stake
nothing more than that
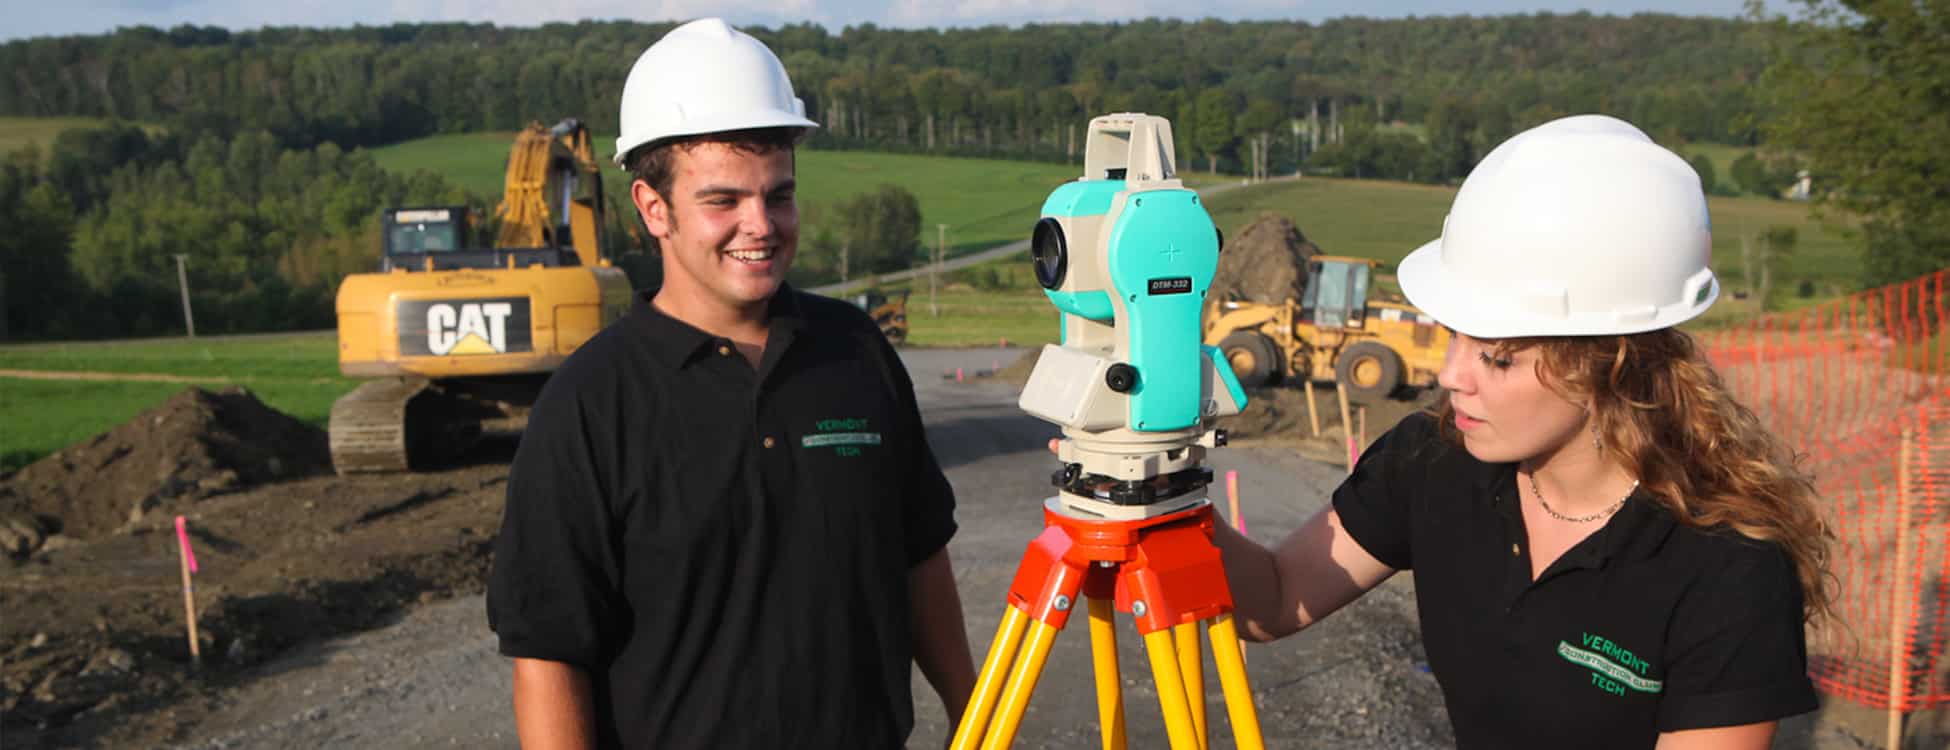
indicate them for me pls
(183, 538)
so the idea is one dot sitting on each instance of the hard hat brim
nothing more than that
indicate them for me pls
(728, 122)
(1480, 311)
(1423, 283)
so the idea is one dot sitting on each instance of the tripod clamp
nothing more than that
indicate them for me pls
(1085, 486)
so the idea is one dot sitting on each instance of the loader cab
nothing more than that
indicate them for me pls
(1337, 292)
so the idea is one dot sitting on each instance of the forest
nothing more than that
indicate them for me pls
(997, 91)
(241, 150)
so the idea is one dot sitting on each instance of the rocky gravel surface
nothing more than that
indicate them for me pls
(430, 676)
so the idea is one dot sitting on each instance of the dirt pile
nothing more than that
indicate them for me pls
(192, 446)
(93, 630)
(1266, 262)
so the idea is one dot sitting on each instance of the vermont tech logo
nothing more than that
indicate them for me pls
(464, 327)
(844, 436)
(1613, 668)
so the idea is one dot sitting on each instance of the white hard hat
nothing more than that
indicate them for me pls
(1578, 227)
(705, 77)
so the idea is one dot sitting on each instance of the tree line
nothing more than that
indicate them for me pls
(96, 222)
(248, 164)
(1248, 96)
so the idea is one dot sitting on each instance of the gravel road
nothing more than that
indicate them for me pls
(1358, 680)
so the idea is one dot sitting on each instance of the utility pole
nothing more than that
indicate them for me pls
(845, 246)
(183, 283)
(934, 271)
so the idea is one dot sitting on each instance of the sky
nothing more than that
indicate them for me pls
(30, 18)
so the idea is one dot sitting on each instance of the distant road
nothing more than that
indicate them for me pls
(984, 256)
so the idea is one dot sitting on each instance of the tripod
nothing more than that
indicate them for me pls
(1163, 570)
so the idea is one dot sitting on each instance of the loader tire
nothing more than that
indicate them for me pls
(1253, 357)
(1370, 371)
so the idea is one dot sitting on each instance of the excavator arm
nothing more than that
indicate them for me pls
(553, 192)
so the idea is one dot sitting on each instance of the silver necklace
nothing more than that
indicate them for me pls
(1579, 519)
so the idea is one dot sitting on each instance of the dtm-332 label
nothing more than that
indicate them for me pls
(1171, 285)
(439, 328)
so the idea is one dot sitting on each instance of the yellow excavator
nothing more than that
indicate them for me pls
(458, 338)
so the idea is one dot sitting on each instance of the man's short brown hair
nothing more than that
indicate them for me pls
(655, 163)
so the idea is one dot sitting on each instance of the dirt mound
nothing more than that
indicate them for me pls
(1266, 262)
(192, 446)
(93, 631)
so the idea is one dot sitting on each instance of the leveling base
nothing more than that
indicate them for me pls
(1166, 573)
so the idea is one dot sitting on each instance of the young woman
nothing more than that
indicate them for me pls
(1609, 550)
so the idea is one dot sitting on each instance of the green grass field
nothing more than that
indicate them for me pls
(296, 356)
(43, 416)
(972, 317)
(983, 201)
(17, 132)
(1720, 154)
(296, 374)
(1387, 220)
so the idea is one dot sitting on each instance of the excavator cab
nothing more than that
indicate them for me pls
(442, 238)
(421, 231)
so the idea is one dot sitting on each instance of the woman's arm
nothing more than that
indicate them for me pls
(1314, 571)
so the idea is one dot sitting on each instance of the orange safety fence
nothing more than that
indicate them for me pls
(1860, 387)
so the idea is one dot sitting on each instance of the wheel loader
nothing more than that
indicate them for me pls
(888, 311)
(457, 337)
(1336, 330)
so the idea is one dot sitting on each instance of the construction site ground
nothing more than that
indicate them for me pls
(346, 612)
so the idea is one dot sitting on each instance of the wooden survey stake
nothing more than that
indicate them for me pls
(188, 560)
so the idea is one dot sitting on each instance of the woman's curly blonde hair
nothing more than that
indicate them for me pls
(1661, 409)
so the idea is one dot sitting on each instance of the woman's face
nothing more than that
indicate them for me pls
(1505, 412)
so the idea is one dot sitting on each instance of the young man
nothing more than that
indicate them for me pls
(724, 526)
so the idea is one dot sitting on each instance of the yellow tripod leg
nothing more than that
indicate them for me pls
(1022, 682)
(1191, 667)
(1231, 663)
(988, 684)
(1171, 690)
(1110, 688)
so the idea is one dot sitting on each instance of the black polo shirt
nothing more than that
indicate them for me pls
(1646, 626)
(724, 549)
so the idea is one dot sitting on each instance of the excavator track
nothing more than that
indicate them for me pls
(368, 426)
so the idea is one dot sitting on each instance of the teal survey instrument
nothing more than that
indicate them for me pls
(1126, 254)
